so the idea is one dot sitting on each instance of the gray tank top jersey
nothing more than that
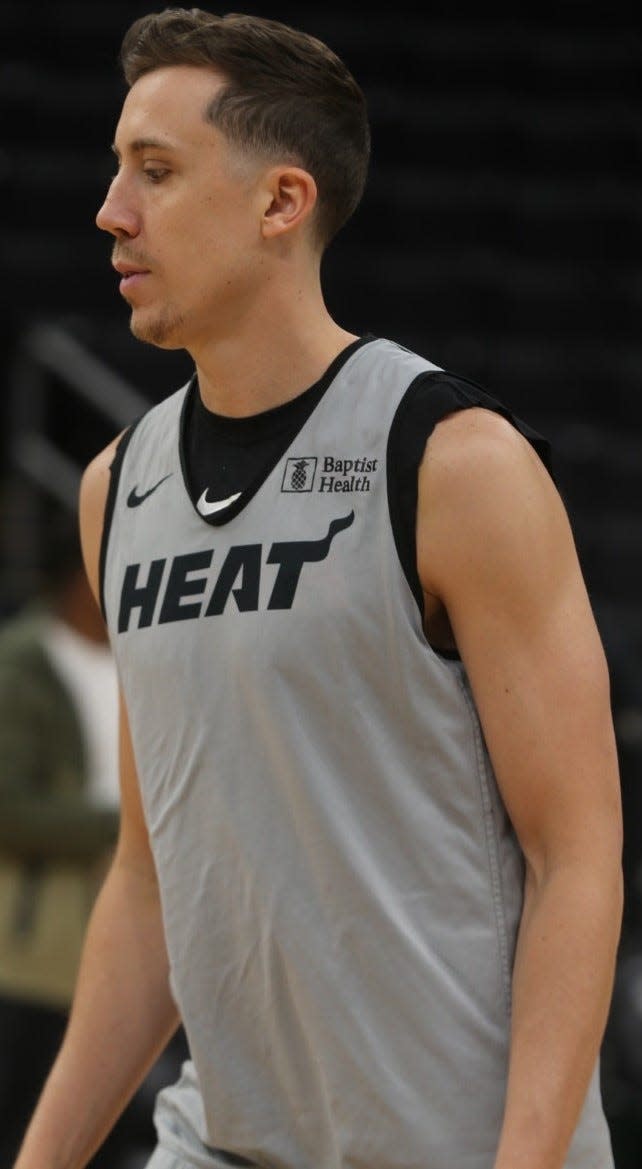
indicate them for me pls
(341, 887)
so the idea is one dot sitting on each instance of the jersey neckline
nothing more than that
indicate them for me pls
(257, 422)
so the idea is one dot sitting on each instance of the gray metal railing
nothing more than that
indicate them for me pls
(49, 349)
(36, 460)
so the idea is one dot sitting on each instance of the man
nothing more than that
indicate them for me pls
(385, 951)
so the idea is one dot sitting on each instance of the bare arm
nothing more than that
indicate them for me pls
(123, 1013)
(495, 548)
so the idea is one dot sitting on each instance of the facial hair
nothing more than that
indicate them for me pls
(158, 330)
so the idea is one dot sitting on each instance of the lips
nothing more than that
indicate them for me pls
(132, 275)
(127, 269)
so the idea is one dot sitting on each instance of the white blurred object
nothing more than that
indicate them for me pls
(88, 671)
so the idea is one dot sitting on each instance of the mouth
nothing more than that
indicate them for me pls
(131, 275)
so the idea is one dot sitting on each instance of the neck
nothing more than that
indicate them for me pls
(282, 346)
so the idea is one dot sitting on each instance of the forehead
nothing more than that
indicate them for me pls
(169, 105)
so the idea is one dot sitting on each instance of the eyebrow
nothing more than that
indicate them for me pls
(145, 144)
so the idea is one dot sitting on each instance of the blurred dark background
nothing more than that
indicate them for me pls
(499, 236)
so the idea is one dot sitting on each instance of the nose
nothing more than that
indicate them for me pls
(117, 215)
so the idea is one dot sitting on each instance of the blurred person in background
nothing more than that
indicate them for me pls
(58, 812)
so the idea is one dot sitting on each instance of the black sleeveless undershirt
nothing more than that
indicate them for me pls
(223, 455)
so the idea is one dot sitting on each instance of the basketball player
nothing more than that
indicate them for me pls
(370, 842)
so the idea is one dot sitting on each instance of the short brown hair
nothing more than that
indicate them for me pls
(287, 94)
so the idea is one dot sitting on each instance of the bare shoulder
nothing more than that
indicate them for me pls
(484, 496)
(94, 489)
(478, 441)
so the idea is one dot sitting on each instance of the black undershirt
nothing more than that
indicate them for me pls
(225, 455)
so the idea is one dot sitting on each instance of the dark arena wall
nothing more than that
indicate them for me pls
(499, 236)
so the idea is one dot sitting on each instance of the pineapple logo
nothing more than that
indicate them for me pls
(299, 474)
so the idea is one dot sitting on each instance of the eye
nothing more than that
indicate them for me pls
(155, 174)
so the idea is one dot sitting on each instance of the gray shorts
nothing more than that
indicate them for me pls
(167, 1159)
(180, 1129)
(163, 1159)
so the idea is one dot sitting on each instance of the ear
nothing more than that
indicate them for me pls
(290, 198)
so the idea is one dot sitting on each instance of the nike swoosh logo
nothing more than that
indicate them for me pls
(134, 499)
(206, 508)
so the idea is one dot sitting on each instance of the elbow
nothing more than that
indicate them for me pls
(590, 885)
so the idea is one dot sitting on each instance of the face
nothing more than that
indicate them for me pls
(185, 211)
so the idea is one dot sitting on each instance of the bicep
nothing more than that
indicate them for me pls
(133, 849)
(94, 490)
(495, 545)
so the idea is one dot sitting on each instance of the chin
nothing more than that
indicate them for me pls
(165, 330)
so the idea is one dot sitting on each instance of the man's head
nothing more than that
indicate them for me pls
(287, 97)
(232, 126)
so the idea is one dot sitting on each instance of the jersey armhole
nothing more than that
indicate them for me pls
(110, 503)
(431, 397)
